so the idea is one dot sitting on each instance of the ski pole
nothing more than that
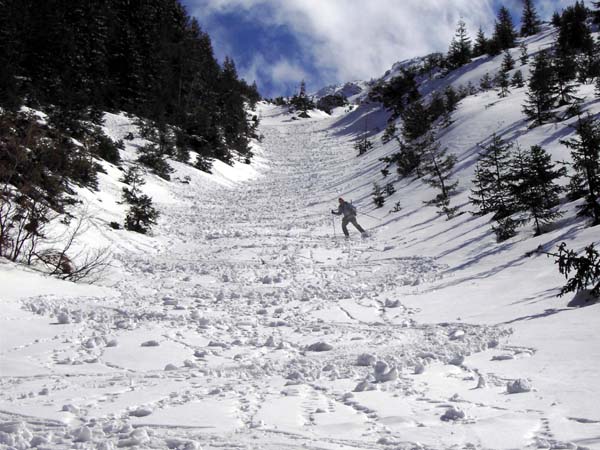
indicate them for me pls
(333, 223)
(372, 217)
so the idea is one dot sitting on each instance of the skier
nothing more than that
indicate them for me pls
(349, 212)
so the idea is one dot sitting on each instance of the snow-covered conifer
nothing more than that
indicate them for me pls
(542, 93)
(486, 82)
(460, 51)
(585, 151)
(530, 22)
(492, 181)
(517, 80)
(504, 33)
(437, 169)
(378, 195)
(534, 185)
(524, 53)
(481, 44)
(508, 62)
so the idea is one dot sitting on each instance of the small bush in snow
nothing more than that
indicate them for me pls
(505, 228)
(378, 197)
(517, 80)
(486, 82)
(107, 149)
(152, 158)
(390, 189)
(364, 145)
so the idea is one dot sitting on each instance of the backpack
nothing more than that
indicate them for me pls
(352, 208)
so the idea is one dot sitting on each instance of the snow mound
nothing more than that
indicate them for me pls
(518, 386)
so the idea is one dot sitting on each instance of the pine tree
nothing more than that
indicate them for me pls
(398, 93)
(437, 168)
(481, 44)
(517, 80)
(378, 197)
(585, 151)
(437, 106)
(460, 50)
(542, 93)
(363, 145)
(493, 180)
(416, 121)
(508, 63)
(524, 55)
(574, 34)
(530, 22)
(565, 70)
(535, 188)
(588, 64)
(504, 34)
(390, 189)
(141, 214)
(503, 78)
(233, 113)
(390, 133)
(408, 159)
(586, 267)
(452, 98)
(504, 228)
(486, 82)
(301, 102)
(482, 191)
(503, 82)
(556, 19)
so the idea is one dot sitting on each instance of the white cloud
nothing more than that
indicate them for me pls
(359, 39)
(284, 71)
(281, 74)
(547, 7)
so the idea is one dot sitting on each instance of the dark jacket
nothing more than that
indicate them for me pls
(346, 209)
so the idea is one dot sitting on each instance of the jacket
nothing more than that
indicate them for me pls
(345, 209)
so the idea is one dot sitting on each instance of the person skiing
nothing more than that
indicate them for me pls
(349, 212)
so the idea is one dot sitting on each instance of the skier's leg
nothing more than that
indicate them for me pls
(345, 226)
(356, 225)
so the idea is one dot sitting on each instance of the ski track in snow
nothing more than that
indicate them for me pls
(250, 277)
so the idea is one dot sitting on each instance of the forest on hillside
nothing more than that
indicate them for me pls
(74, 60)
(517, 186)
(64, 65)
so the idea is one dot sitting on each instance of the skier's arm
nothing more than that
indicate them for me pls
(338, 212)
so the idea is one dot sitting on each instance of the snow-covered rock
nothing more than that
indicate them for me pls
(453, 414)
(138, 436)
(319, 347)
(518, 386)
(366, 360)
(83, 434)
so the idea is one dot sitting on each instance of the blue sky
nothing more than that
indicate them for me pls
(278, 43)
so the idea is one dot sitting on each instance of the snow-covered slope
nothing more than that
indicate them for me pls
(247, 321)
(352, 91)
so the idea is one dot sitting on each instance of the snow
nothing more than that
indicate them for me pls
(245, 320)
